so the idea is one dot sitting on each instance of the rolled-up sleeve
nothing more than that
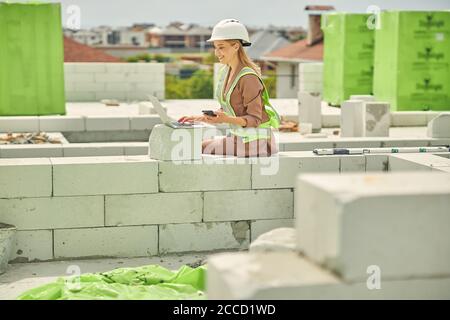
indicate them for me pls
(251, 88)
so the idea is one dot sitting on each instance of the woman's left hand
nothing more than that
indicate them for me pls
(221, 117)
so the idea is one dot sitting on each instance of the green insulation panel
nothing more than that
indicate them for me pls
(412, 60)
(31, 59)
(348, 56)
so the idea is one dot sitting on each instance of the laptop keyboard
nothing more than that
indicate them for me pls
(176, 123)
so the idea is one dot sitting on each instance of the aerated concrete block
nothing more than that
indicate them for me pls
(16, 175)
(137, 241)
(104, 175)
(136, 148)
(158, 208)
(365, 98)
(281, 171)
(19, 124)
(93, 149)
(439, 127)
(417, 161)
(272, 276)
(31, 151)
(400, 163)
(144, 122)
(107, 123)
(52, 213)
(376, 119)
(397, 222)
(61, 123)
(352, 118)
(409, 119)
(203, 236)
(248, 204)
(32, 246)
(376, 162)
(176, 176)
(245, 275)
(309, 110)
(353, 163)
(166, 143)
(258, 227)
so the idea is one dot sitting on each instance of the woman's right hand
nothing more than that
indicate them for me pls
(191, 119)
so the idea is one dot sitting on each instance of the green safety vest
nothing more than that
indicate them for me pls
(263, 131)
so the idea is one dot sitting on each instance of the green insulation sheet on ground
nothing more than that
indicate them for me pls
(31, 59)
(412, 60)
(151, 282)
(347, 56)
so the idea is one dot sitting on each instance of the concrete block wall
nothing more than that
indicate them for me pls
(121, 81)
(90, 206)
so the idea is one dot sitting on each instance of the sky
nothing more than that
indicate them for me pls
(253, 13)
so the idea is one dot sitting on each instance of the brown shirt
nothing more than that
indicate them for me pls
(246, 98)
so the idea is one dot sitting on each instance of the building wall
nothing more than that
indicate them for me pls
(121, 81)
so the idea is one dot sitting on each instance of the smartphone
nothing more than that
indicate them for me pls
(209, 113)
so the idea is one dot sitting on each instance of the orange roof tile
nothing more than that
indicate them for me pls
(297, 51)
(78, 52)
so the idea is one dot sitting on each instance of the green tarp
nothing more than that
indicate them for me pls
(347, 56)
(142, 283)
(31, 59)
(412, 60)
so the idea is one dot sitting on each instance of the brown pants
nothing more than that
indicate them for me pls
(234, 146)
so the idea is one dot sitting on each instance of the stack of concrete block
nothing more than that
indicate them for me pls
(310, 77)
(121, 81)
(363, 236)
(364, 118)
(309, 110)
(439, 127)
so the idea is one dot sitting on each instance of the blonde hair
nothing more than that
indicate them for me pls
(244, 58)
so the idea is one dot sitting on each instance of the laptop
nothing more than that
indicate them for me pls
(168, 121)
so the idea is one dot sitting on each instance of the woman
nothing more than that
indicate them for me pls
(243, 98)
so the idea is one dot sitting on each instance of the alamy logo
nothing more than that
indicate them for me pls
(430, 22)
(426, 85)
(428, 54)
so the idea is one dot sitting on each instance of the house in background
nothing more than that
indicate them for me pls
(264, 42)
(78, 52)
(307, 50)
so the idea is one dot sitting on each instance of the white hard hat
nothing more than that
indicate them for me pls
(230, 29)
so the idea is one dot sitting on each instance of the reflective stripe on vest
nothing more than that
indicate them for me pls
(263, 131)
